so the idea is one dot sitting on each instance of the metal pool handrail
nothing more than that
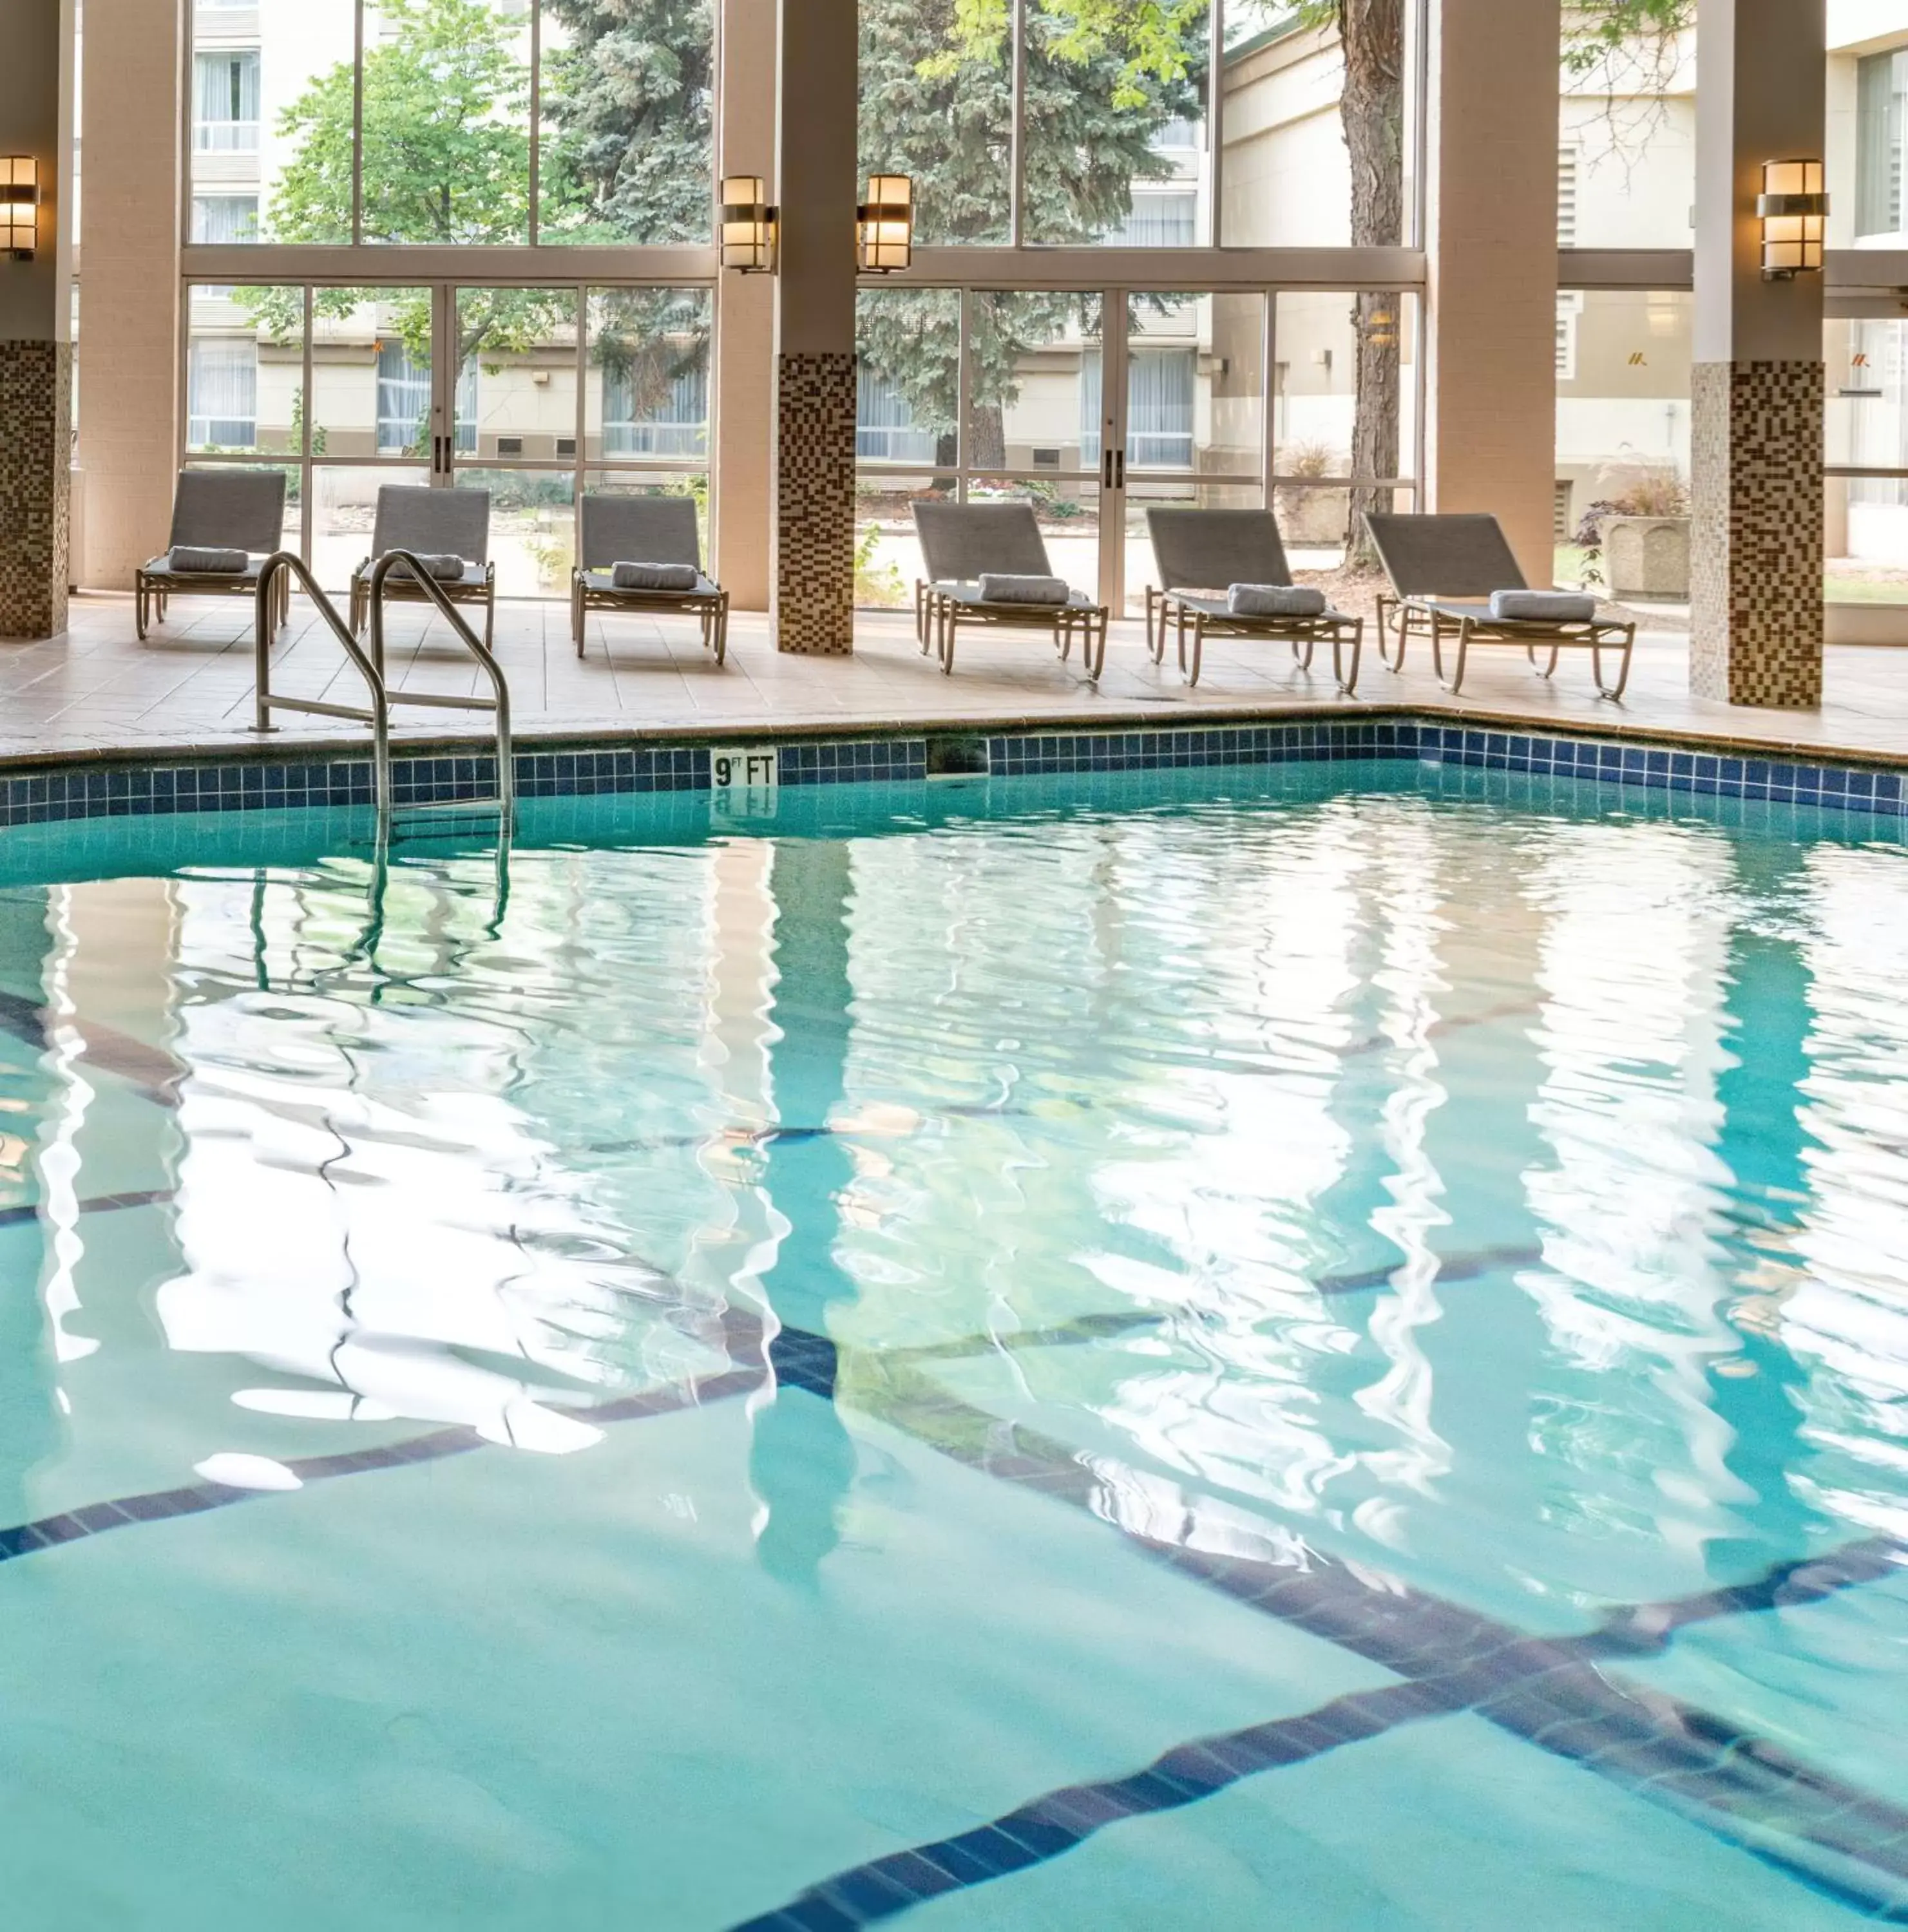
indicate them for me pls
(371, 669)
(498, 704)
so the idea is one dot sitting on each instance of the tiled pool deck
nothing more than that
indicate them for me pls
(96, 725)
(188, 690)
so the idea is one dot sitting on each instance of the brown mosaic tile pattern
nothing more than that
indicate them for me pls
(36, 387)
(1756, 550)
(814, 578)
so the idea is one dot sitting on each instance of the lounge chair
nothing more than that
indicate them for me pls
(961, 544)
(1216, 552)
(231, 510)
(644, 530)
(448, 523)
(1450, 578)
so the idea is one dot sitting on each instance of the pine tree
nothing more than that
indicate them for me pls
(937, 103)
(630, 92)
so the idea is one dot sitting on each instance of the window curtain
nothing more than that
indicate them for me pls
(1881, 79)
(227, 106)
(885, 429)
(1160, 385)
(222, 393)
(677, 425)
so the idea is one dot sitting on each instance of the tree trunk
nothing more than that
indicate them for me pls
(986, 431)
(1372, 110)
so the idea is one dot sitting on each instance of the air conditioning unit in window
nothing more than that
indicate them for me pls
(510, 446)
(565, 446)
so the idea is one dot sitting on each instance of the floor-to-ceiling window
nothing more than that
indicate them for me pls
(1063, 155)
(463, 243)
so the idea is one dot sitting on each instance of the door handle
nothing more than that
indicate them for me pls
(1119, 469)
(1106, 471)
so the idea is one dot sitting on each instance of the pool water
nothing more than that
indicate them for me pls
(1323, 1346)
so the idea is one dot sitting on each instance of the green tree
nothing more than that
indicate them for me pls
(446, 160)
(630, 91)
(1103, 78)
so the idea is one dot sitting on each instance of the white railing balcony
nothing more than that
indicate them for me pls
(225, 137)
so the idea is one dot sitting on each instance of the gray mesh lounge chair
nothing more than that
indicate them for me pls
(961, 542)
(644, 530)
(1444, 571)
(431, 522)
(216, 509)
(1209, 551)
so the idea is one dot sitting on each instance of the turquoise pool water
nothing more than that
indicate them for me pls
(1322, 1346)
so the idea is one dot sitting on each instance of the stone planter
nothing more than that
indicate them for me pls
(1647, 556)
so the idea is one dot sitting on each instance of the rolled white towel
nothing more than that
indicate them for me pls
(196, 560)
(1275, 600)
(1543, 606)
(441, 564)
(654, 576)
(996, 589)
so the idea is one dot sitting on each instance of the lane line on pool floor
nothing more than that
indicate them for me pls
(1334, 1602)
(1547, 1692)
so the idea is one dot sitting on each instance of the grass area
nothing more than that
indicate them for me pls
(1865, 589)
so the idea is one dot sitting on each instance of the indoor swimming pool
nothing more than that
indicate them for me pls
(1321, 1346)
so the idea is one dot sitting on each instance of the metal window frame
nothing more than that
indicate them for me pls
(444, 290)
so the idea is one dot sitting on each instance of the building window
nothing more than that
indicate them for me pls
(1159, 221)
(222, 393)
(676, 425)
(224, 218)
(1567, 197)
(404, 402)
(1160, 384)
(1570, 309)
(225, 103)
(1881, 84)
(885, 429)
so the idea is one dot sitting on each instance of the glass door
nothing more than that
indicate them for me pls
(376, 415)
(1188, 426)
(512, 413)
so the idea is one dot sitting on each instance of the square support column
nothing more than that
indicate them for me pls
(745, 329)
(1491, 242)
(1758, 400)
(813, 605)
(36, 328)
(129, 414)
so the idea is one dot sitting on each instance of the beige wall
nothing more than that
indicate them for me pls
(129, 293)
(36, 119)
(1492, 237)
(745, 332)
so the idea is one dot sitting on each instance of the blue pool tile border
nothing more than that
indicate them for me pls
(91, 790)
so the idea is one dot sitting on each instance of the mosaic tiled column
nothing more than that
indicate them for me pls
(814, 504)
(36, 410)
(1756, 390)
(36, 299)
(1756, 540)
(813, 509)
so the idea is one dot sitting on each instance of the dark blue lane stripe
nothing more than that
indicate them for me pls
(195, 1498)
(1055, 1823)
(96, 1203)
(1548, 1692)
(1058, 1821)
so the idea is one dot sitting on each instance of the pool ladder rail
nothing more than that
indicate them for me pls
(371, 667)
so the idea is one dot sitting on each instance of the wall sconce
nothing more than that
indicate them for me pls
(1793, 207)
(750, 227)
(19, 206)
(884, 226)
